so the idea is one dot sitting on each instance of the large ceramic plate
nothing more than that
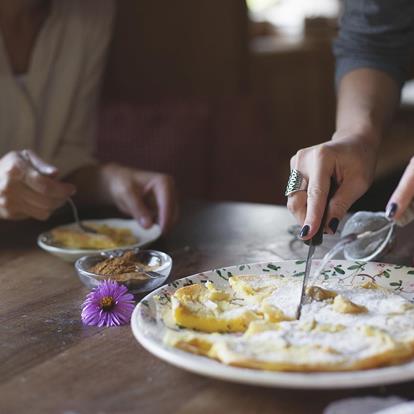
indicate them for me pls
(144, 236)
(149, 330)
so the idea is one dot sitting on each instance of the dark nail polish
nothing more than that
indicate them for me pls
(304, 232)
(333, 225)
(391, 210)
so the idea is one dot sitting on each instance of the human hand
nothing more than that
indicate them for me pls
(147, 196)
(351, 161)
(402, 195)
(26, 193)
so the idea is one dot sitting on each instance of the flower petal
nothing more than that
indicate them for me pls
(120, 314)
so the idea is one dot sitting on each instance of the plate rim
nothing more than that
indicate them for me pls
(291, 380)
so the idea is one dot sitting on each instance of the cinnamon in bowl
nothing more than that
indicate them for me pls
(128, 267)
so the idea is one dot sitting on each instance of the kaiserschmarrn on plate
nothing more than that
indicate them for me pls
(107, 237)
(252, 323)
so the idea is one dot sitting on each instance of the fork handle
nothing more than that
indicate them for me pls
(74, 211)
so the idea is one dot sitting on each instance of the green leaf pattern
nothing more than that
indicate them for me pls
(396, 277)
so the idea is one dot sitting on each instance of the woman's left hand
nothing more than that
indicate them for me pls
(147, 196)
(403, 195)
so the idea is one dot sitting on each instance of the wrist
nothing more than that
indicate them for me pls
(106, 182)
(367, 137)
(108, 170)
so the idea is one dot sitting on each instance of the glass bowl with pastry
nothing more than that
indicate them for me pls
(69, 242)
(139, 270)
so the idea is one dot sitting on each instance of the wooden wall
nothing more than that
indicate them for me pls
(261, 105)
(296, 81)
(178, 48)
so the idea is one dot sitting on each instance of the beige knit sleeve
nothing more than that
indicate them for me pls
(77, 146)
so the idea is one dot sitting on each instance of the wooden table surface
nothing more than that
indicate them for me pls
(50, 363)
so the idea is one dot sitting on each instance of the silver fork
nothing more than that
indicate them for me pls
(83, 227)
(87, 229)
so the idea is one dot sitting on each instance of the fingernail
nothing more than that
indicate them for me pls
(145, 221)
(48, 169)
(391, 210)
(333, 225)
(304, 232)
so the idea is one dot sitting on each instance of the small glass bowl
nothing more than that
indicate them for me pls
(159, 262)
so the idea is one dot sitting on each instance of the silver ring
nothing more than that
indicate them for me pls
(297, 182)
(24, 154)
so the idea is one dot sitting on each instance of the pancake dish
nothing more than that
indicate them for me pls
(252, 323)
(106, 237)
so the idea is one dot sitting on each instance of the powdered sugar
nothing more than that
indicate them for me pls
(323, 339)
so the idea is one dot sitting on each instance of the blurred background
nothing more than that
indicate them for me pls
(221, 94)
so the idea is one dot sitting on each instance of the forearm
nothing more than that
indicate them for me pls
(147, 196)
(367, 100)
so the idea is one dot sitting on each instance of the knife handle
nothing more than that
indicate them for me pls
(316, 240)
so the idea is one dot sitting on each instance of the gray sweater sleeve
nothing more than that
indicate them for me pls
(377, 34)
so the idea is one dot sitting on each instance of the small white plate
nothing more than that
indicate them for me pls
(149, 329)
(144, 236)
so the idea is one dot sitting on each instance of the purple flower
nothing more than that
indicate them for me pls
(109, 304)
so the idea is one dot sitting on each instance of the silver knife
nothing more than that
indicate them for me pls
(303, 295)
(316, 240)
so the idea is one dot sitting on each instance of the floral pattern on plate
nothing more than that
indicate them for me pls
(149, 329)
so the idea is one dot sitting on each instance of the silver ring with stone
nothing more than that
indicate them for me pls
(297, 182)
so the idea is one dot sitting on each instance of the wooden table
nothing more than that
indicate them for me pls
(50, 363)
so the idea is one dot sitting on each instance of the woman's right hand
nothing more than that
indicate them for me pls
(351, 160)
(25, 193)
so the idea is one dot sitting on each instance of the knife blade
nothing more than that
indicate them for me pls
(303, 295)
(316, 240)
